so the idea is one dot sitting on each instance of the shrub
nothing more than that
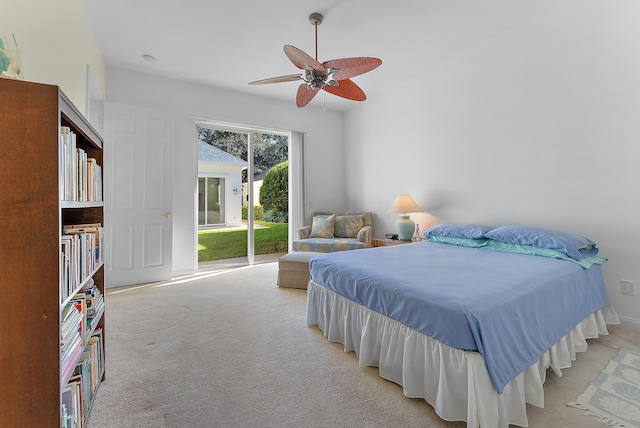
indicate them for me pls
(274, 192)
(258, 212)
(273, 216)
(268, 216)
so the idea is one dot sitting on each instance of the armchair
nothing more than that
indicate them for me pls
(331, 232)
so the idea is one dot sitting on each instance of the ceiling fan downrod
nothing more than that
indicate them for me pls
(316, 80)
(316, 19)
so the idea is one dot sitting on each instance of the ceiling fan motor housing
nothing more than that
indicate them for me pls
(316, 18)
(314, 78)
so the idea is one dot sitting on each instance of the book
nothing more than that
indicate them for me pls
(66, 274)
(83, 370)
(81, 248)
(67, 407)
(80, 303)
(68, 164)
(75, 382)
(80, 176)
(68, 363)
(64, 160)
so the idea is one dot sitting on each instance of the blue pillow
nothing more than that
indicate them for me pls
(463, 242)
(575, 246)
(457, 230)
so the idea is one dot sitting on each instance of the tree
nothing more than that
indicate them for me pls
(268, 149)
(233, 143)
(274, 193)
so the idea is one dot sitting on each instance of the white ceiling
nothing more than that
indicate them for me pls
(230, 43)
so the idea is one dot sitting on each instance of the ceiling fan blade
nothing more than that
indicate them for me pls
(287, 78)
(350, 67)
(305, 95)
(301, 59)
(346, 89)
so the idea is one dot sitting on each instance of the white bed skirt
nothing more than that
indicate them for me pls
(455, 382)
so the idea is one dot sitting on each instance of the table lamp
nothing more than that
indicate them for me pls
(405, 226)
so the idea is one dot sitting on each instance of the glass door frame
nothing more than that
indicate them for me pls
(250, 132)
(250, 206)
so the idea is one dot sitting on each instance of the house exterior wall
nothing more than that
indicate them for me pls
(256, 193)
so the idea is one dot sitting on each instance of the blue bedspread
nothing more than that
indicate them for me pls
(509, 307)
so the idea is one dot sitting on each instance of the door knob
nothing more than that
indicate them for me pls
(167, 215)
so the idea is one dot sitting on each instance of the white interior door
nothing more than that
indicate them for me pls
(138, 193)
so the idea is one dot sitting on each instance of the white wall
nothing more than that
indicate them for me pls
(538, 126)
(55, 44)
(187, 101)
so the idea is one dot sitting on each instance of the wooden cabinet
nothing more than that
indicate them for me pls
(32, 218)
(384, 242)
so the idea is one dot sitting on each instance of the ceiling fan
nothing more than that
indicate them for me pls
(334, 76)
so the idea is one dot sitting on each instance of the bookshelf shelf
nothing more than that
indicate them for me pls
(74, 204)
(52, 317)
(77, 289)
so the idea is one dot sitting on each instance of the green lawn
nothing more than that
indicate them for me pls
(227, 244)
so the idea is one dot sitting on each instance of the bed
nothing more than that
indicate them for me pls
(469, 320)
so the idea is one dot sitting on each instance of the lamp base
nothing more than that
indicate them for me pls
(405, 227)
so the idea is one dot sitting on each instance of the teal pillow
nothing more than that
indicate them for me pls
(533, 250)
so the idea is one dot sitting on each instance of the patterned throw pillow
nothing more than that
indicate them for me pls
(348, 226)
(322, 226)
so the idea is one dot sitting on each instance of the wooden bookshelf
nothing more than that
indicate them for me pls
(32, 217)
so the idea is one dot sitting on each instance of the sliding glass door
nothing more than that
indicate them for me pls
(243, 195)
(211, 201)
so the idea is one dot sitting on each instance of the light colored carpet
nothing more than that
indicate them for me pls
(615, 394)
(231, 349)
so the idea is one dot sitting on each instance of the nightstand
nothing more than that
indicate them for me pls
(384, 242)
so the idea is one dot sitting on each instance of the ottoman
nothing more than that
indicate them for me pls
(293, 269)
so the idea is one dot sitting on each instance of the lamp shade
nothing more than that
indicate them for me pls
(405, 226)
(404, 204)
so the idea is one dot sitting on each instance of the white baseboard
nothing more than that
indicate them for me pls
(632, 323)
(183, 272)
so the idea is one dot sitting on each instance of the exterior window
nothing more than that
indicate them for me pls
(211, 201)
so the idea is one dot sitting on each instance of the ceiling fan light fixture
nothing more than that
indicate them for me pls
(330, 80)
